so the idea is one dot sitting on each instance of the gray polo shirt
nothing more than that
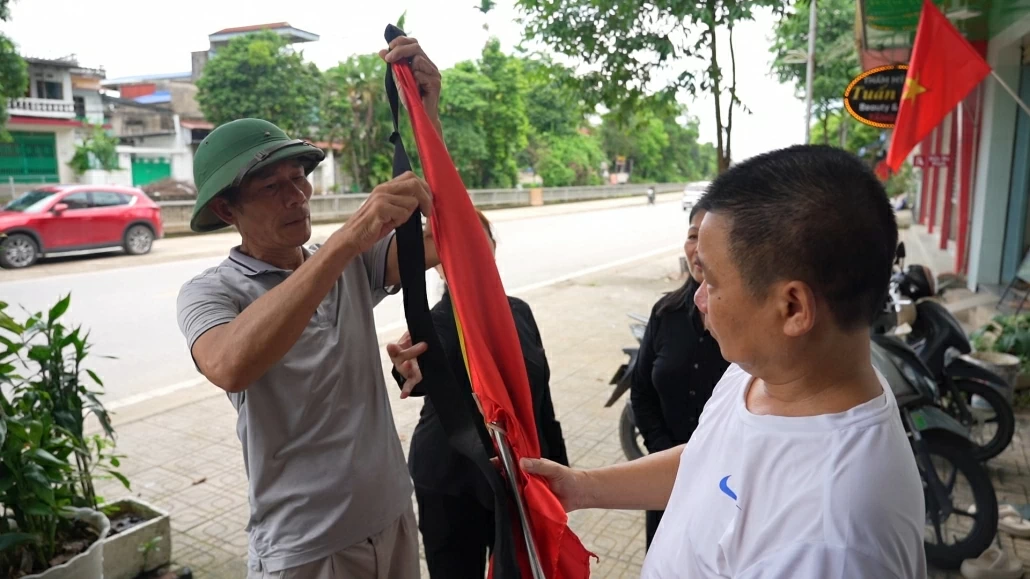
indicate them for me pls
(320, 447)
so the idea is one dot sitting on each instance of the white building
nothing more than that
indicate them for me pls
(61, 102)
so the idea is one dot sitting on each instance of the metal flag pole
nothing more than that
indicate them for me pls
(1012, 93)
(508, 463)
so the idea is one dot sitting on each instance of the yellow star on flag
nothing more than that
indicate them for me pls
(912, 89)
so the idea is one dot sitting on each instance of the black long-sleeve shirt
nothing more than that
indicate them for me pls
(431, 461)
(678, 366)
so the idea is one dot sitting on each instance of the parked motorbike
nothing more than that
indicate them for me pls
(942, 451)
(970, 393)
(629, 437)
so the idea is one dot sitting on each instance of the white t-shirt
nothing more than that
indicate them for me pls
(835, 496)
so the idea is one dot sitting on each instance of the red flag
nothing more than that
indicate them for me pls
(943, 69)
(486, 328)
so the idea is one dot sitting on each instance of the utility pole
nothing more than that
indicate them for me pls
(810, 72)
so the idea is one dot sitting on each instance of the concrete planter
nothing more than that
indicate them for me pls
(123, 554)
(90, 563)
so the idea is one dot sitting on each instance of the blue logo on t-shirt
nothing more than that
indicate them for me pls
(726, 489)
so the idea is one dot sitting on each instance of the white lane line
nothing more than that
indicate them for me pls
(151, 394)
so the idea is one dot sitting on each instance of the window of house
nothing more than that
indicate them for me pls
(46, 89)
(80, 107)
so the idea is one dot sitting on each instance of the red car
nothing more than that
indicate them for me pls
(62, 218)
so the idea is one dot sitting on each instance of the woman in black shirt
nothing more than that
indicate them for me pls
(678, 365)
(457, 529)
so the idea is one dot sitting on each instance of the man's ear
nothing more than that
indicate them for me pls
(797, 306)
(224, 210)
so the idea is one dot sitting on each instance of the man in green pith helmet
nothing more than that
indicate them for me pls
(287, 331)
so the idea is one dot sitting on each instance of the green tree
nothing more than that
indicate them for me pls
(570, 160)
(98, 151)
(627, 41)
(506, 126)
(260, 75)
(841, 130)
(836, 58)
(14, 75)
(661, 140)
(555, 110)
(464, 107)
(356, 115)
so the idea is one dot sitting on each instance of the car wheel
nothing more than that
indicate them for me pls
(18, 250)
(138, 240)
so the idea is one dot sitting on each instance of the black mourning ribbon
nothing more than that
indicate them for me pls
(454, 405)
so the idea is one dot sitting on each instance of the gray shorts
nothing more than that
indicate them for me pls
(392, 554)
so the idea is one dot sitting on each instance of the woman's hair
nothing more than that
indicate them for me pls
(679, 297)
(487, 226)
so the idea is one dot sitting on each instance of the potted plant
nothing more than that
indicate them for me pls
(73, 392)
(140, 538)
(46, 528)
(1008, 334)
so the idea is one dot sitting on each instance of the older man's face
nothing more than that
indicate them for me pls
(272, 210)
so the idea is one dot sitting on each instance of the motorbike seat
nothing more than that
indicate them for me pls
(937, 332)
(891, 357)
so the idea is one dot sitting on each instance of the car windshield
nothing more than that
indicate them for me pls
(31, 202)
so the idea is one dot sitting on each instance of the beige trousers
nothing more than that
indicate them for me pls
(392, 554)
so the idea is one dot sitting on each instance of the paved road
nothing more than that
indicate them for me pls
(130, 309)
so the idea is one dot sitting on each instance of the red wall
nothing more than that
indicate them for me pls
(131, 91)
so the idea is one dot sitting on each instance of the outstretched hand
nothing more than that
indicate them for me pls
(405, 359)
(568, 484)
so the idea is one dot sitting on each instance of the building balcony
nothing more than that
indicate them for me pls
(46, 108)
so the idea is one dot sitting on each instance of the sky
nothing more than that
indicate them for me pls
(123, 39)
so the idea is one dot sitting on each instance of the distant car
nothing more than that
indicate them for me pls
(692, 192)
(63, 218)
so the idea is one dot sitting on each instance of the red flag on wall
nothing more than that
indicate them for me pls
(493, 355)
(943, 69)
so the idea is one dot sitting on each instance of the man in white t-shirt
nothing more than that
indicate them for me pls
(800, 466)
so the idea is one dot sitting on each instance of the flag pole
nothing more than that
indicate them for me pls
(1012, 93)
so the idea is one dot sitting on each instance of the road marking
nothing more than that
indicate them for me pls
(151, 394)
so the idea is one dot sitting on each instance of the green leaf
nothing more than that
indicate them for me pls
(59, 309)
(43, 457)
(121, 478)
(8, 323)
(39, 509)
(6, 483)
(11, 540)
(95, 378)
(39, 353)
(115, 462)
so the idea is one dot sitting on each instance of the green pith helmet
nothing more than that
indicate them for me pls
(234, 150)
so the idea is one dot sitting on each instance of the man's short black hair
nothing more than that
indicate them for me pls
(814, 214)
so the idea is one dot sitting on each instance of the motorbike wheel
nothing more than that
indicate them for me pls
(629, 436)
(980, 527)
(1000, 416)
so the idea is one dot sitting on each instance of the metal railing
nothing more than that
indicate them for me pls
(327, 208)
(36, 107)
(12, 186)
